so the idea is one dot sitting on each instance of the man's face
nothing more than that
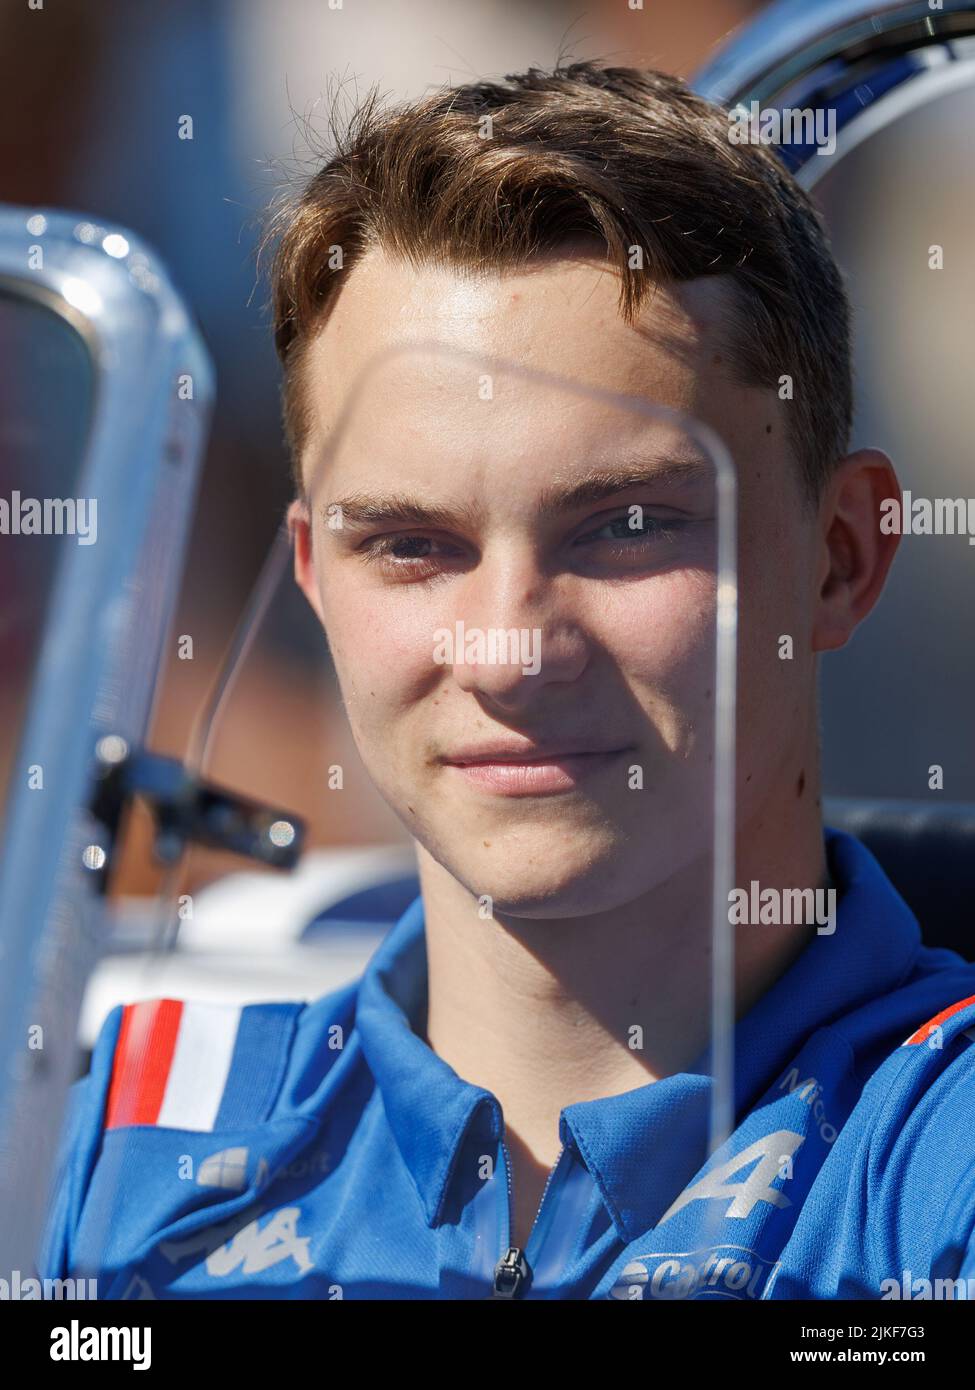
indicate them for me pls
(612, 694)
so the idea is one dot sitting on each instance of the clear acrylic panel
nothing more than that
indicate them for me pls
(510, 565)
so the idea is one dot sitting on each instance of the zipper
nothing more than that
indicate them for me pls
(513, 1272)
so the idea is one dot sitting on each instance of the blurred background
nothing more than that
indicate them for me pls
(90, 105)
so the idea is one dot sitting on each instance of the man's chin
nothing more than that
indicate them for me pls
(541, 901)
(543, 877)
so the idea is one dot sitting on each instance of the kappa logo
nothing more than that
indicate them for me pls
(251, 1248)
(256, 1248)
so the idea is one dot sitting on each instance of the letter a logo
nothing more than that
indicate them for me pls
(757, 1187)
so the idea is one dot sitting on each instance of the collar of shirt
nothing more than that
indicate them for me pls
(642, 1145)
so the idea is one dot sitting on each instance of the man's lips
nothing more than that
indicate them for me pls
(528, 753)
(531, 769)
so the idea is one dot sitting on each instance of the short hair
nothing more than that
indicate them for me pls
(628, 157)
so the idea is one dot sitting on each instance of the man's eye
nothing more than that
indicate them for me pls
(412, 555)
(415, 556)
(634, 528)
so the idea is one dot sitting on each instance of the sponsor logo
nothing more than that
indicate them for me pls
(810, 1090)
(251, 1249)
(723, 1271)
(226, 1168)
(773, 1152)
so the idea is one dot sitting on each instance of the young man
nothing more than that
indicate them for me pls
(394, 1139)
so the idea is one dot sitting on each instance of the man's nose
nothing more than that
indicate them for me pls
(513, 632)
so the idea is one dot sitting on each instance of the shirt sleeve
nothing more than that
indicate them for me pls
(78, 1149)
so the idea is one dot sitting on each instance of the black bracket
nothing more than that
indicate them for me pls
(187, 810)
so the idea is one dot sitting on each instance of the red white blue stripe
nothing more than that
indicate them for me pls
(172, 1062)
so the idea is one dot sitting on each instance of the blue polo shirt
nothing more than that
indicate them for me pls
(324, 1150)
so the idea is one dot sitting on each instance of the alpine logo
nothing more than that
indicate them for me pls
(772, 1151)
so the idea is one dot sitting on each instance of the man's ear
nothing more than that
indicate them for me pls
(299, 529)
(854, 554)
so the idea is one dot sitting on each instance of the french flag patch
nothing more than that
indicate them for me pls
(172, 1064)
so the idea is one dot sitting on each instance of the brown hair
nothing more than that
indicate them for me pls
(625, 156)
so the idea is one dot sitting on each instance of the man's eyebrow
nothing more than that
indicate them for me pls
(559, 497)
(601, 483)
(362, 509)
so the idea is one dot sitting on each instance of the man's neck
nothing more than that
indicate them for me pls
(542, 1012)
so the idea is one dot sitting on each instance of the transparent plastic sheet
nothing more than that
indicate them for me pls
(585, 591)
